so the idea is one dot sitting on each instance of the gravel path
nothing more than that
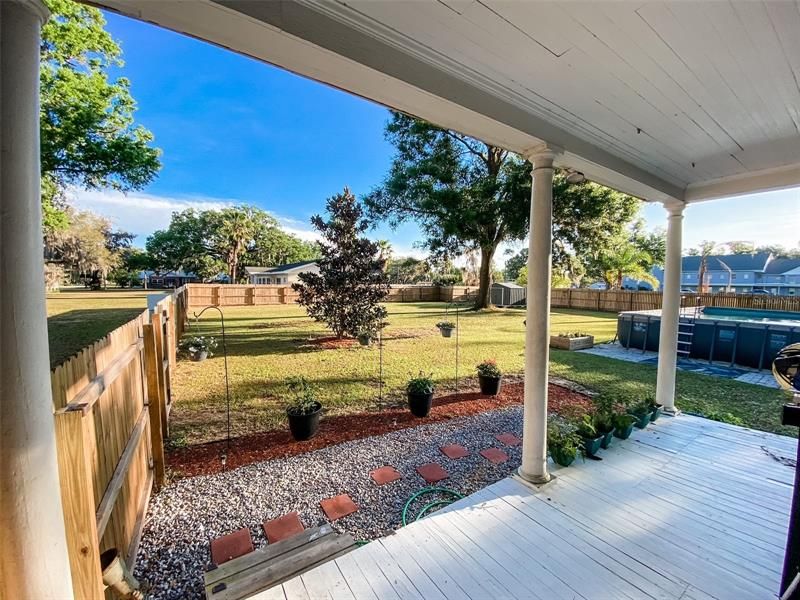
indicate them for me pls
(186, 515)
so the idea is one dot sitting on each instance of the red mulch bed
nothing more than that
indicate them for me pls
(204, 459)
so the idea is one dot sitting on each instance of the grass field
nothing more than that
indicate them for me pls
(76, 318)
(268, 344)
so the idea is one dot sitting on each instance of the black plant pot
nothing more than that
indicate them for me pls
(490, 386)
(420, 404)
(304, 427)
(198, 356)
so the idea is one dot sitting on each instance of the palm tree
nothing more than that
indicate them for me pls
(625, 260)
(384, 253)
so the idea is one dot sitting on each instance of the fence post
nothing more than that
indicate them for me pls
(74, 438)
(155, 401)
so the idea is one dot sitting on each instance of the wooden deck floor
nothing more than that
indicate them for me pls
(688, 509)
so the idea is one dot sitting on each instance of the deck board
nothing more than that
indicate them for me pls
(688, 509)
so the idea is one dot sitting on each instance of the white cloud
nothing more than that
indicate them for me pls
(142, 214)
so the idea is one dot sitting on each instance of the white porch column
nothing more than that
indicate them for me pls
(34, 558)
(670, 310)
(537, 330)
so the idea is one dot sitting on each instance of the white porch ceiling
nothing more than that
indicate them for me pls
(683, 100)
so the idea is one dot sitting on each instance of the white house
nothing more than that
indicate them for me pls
(281, 274)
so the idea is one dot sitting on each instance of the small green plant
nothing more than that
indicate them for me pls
(640, 408)
(573, 335)
(446, 325)
(586, 427)
(422, 385)
(603, 421)
(488, 368)
(197, 344)
(562, 436)
(305, 401)
(623, 421)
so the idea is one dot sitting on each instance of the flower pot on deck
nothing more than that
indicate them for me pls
(591, 446)
(490, 386)
(420, 404)
(304, 426)
(623, 433)
(607, 437)
(658, 410)
(562, 457)
(641, 420)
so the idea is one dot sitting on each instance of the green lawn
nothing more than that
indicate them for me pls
(268, 344)
(76, 318)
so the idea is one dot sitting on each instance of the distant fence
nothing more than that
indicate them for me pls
(112, 403)
(620, 300)
(258, 295)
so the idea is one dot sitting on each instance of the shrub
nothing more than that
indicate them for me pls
(446, 325)
(304, 401)
(347, 292)
(489, 368)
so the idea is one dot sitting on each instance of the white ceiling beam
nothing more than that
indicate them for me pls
(767, 180)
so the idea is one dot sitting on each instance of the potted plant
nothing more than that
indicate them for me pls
(592, 439)
(420, 395)
(304, 411)
(623, 425)
(572, 341)
(603, 422)
(563, 441)
(656, 409)
(198, 347)
(446, 327)
(365, 337)
(641, 410)
(490, 377)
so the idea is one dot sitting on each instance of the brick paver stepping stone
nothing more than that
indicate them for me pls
(283, 527)
(494, 455)
(509, 439)
(454, 451)
(231, 546)
(385, 475)
(338, 507)
(432, 472)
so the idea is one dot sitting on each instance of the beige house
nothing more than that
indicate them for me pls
(281, 274)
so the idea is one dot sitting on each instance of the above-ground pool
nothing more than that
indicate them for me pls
(739, 336)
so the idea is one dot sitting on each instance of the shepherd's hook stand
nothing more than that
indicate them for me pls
(447, 314)
(227, 386)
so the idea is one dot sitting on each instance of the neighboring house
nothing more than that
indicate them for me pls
(281, 274)
(743, 273)
(168, 279)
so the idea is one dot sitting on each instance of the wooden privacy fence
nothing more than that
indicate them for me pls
(258, 295)
(620, 300)
(112, 403)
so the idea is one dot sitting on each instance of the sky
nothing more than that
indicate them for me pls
(235, 130)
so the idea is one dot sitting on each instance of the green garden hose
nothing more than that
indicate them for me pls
(430, 505)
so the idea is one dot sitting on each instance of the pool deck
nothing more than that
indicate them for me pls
(716, 369)
(688, 509)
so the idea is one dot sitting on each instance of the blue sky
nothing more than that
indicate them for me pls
(236, 130)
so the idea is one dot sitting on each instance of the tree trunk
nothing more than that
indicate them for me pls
(484, 296)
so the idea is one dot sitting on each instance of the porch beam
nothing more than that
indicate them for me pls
(34, 562)
(537, 329)
(670, 310)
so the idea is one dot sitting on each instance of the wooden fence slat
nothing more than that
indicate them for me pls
(155, 400)
(75, 474)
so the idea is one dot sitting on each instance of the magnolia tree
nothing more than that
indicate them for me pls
(351, 283)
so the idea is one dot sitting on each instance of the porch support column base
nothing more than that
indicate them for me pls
(535, 479)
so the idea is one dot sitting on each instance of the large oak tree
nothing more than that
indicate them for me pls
(469, 195)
